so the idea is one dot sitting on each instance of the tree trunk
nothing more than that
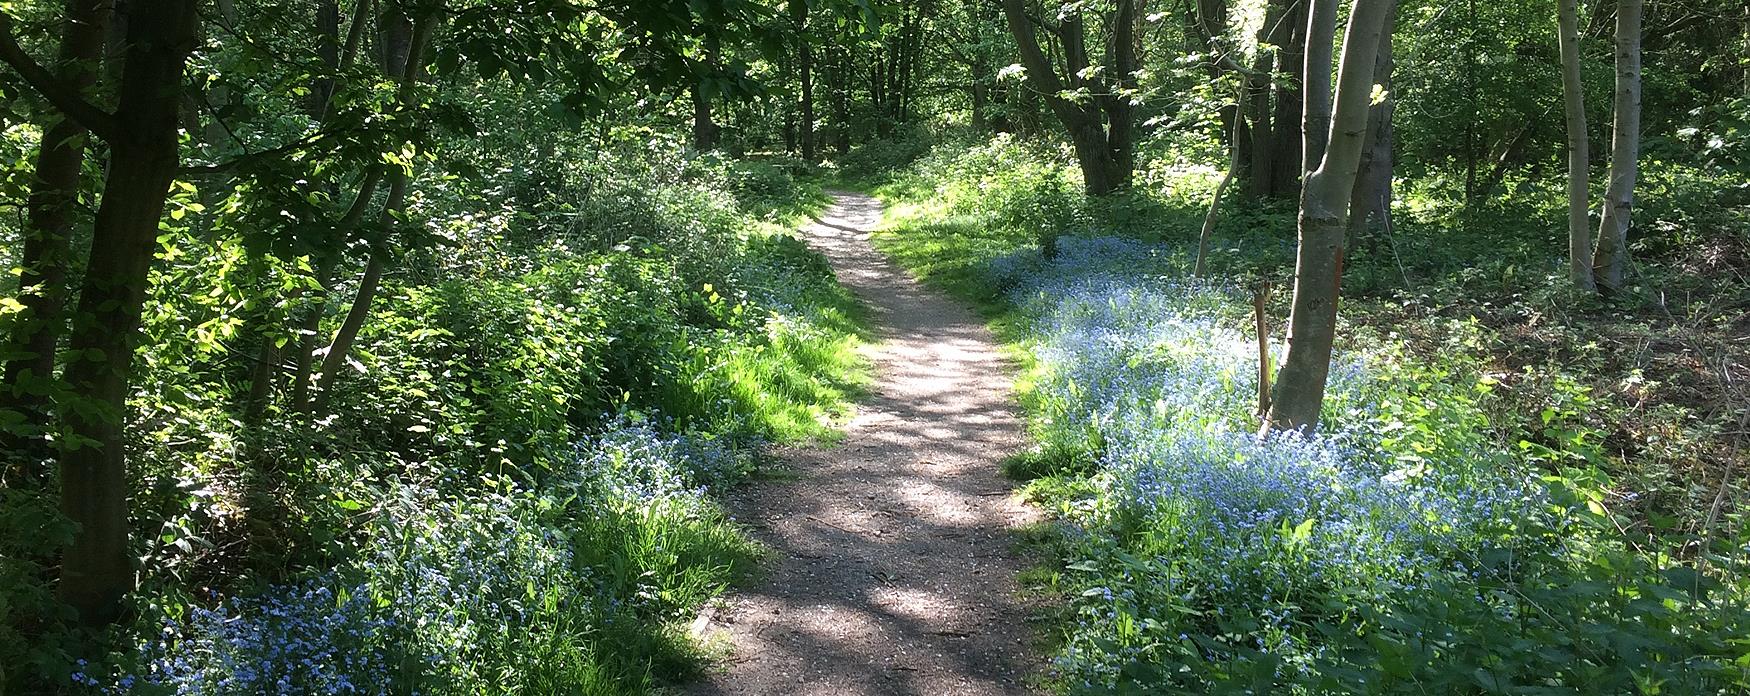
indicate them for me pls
(355, 316)
(1324, 212)
(1316, 103)
(1233, 165)
(805, 129)
(841, 105)
(36, 331)
(1260, 164)
(1611, 254)
(325, 265)
(1286, 129)
(1100, 132)
(336, 56)
(1472, 113)
(393, 206)
(1372, 197)
(704, 128)
(96, 571)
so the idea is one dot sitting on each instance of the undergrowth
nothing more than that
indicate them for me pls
(514, 487)
(1456, 525)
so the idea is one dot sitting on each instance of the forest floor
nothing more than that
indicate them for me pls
(894, 557)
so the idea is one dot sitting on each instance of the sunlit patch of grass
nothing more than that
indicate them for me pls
(675, 559)
(799, 380)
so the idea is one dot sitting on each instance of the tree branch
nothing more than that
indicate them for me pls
(58, 93)
(248, 157)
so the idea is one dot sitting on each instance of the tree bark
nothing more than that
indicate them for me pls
(841, 104)
(705, 129)
(805, 73)
(1324, 211)
(337, 55)
(1316, 103)
(1611, 254)
(311, 322)
(1209, 219)
(1100, 129)
(1372, 197)
(356, 315)
(1260, 162)
(96, 571)
(48, 225)
(1286, 131)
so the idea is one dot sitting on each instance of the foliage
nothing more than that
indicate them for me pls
(463, 520)
(1429, 538)
(568, 585)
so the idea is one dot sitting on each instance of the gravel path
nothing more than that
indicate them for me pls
(894, 567)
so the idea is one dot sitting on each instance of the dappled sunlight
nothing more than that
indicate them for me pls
(894, 571)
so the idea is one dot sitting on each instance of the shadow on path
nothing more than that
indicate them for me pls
(894, 567)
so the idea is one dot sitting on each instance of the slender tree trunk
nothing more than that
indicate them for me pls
(327, 258)
(311, 323)
(841, 104)
(1316, 107)
(1472, 113)
(336, 56)
(789, 119)
(1611, 255)
(979, 72)
(36, 331)
(96, 571)
(1324, 213)
(1286, 131)
(1260, 163)
(805, 129)
(355, 316)
(410, 64)
(1209, 219)
(1372, 197)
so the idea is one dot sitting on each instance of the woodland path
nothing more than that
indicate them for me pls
(894, 563)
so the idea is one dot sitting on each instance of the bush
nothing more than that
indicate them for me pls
(882, 156)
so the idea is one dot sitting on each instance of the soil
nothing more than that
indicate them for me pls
(894, 561)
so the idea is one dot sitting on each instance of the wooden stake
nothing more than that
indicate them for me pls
(1259, 299)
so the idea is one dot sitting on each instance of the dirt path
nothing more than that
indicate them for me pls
(894, 571)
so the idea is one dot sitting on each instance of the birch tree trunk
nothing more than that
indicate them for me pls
(1611, 254)
(1324, 213)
